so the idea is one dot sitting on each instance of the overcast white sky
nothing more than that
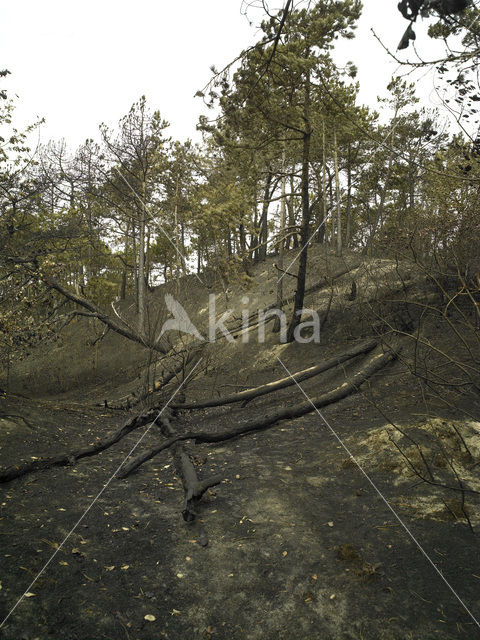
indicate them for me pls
(78, 64)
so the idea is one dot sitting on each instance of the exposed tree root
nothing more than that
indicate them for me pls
(270, 387)
(377, 362)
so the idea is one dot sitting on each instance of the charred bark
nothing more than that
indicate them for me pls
(69, 458)
(270, 387)
(192, 486)
(376, 363)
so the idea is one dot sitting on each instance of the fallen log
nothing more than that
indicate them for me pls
(192, 486)
(376, 363)
(270, 387)
(65, 459)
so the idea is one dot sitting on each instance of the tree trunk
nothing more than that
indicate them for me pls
(178, 261)
(123, 286)
(281, 246)
(199, 260)
(291, 211)
(338, 247)
(147, 258)
(135, 261)
(324, 235)
(348, 211)
(305, 230)
(263, 236)
(242, 240)
(254, 237)
(141, 264)
(411, 183)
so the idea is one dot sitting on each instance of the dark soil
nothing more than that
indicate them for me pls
(300, 545)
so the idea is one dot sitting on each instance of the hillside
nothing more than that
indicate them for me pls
(239, 341)
(321, 526)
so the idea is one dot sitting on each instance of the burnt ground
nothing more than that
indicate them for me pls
(300, 544)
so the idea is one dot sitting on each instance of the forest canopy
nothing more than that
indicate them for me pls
(290, 156)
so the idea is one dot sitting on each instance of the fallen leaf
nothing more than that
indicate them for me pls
(330, 524)
(149, 617)
(29, 594)
(124, 567)
(333, 596)
(284, 553)
(77, 552)
(54, 545)
(179, 575)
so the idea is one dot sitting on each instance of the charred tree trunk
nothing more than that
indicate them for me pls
(296, 377)
(339, 243)
(65, 459)
(350, 386)
(305, 230)
(281, 246)
(263, 236)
